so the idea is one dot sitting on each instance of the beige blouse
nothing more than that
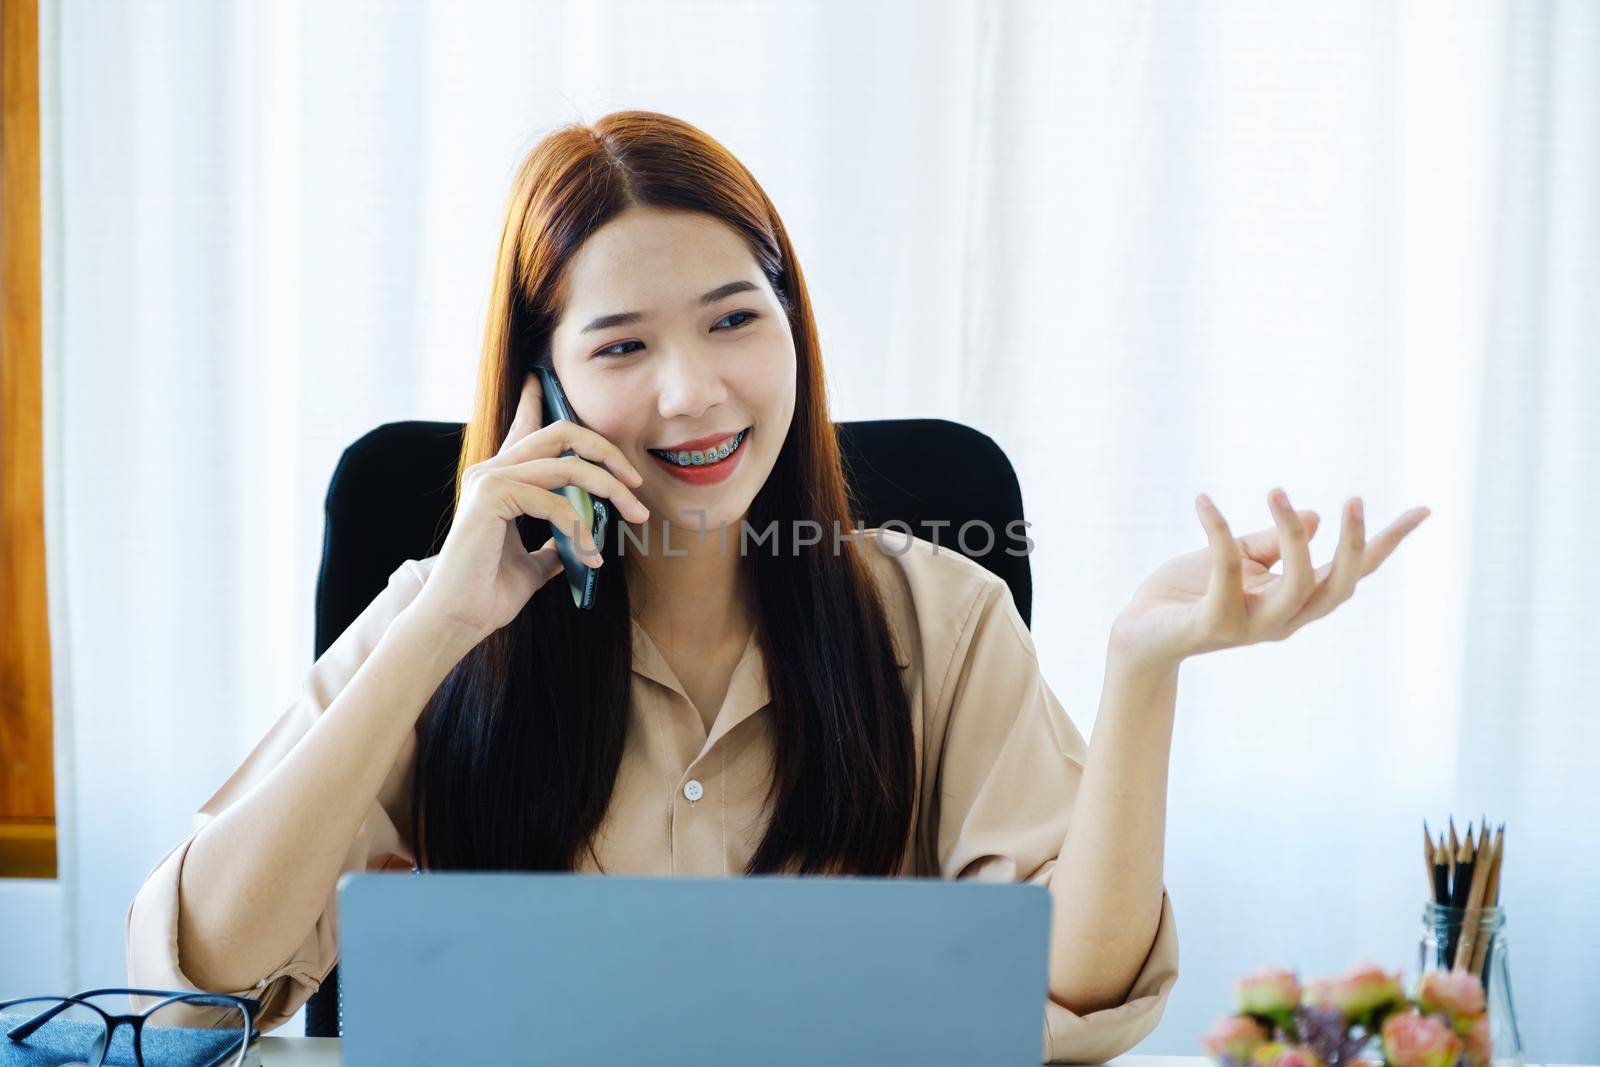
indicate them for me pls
(999, 765)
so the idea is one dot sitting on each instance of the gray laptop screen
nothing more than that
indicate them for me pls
(453, 967)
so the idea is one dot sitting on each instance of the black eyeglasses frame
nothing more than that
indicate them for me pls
(250, 1006)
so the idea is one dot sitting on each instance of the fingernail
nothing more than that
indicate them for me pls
(1205, 501)
(1356, 511)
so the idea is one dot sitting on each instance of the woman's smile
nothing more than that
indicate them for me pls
(704, 461)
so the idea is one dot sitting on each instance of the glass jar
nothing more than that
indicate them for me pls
(1443, 930)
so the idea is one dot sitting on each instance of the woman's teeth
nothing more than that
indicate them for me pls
(703, 457)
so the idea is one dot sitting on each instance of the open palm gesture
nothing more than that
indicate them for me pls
(1226, 596)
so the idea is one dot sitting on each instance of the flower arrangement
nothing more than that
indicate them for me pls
(1330, 1022)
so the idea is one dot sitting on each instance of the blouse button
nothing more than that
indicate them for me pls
(693, 789)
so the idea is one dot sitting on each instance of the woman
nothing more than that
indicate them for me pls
(871, 707)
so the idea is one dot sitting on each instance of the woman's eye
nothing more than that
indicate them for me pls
(736, 314)
(611, 351)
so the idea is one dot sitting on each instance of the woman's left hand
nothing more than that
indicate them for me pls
(1226, 596)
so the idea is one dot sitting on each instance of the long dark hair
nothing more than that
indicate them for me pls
(518, 749)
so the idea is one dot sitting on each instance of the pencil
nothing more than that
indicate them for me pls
(1473, 917)
(1461, 864)
(1451, 853)
(1444, 865)
(1441, 854)
(1491, 898)
(1427, 856)
(1461, 885)
(1494, 874)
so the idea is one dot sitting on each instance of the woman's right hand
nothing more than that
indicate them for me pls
(484, 576)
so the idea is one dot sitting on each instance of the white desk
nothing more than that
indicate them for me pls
(324, 1052)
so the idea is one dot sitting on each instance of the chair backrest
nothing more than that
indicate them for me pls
(392, 498)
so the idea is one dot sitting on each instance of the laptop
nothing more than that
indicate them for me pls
(477, 968)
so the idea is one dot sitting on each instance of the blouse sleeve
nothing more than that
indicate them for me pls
(1009, 772)
(152, 920)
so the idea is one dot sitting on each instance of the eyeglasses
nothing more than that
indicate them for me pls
(179, 1030)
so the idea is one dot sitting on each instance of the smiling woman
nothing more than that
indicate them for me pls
(642, 264)
(697, 382)
(870, 706)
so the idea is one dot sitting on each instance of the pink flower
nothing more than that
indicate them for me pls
(1267, 1054)
(1266, 992)
(1412, 1040)
(1474, 1032)
(1236, 1036)
(1298, 1056)
(1452, 992)
(1355, 992)
(1277, 1054)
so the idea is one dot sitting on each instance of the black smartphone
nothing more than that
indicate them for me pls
(591, 510)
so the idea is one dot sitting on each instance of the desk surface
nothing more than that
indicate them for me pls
(324, 1052)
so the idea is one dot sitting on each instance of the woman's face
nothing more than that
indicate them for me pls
(654, 366)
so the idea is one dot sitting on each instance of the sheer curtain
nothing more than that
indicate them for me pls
(1152, 249)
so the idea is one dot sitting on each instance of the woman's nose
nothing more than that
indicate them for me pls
(688, 385)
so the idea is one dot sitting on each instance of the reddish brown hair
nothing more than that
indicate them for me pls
(520, 746)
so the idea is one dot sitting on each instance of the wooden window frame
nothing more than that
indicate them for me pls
(27, 770)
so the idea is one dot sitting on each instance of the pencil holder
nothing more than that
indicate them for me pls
(1475, 940)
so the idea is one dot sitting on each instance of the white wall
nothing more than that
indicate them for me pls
(31, 923)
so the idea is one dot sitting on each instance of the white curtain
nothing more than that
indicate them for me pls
(1152, 249)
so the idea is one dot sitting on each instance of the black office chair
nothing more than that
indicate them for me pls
(392, 497)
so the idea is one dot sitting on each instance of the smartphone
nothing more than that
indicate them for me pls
(591, 510)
